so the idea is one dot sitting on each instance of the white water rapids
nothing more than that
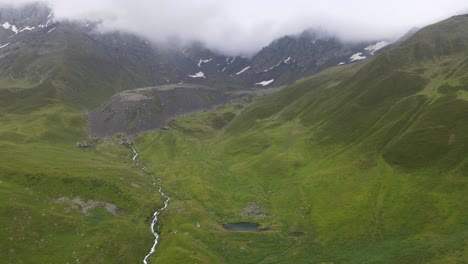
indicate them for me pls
(155, 221)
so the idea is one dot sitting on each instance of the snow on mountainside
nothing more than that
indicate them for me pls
(265, 83)
(243, 70)
(377, 46)
(31, 17)
(356, 57)
(198, 75)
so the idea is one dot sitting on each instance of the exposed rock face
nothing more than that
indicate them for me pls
(84, 207)
(253, 209)
(84, 144)
(134, 111)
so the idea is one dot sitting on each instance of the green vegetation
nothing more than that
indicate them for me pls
(40, 165)
(364, 163)
(359, 164)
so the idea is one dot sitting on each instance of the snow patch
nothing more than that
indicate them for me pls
(341, 63)
(379, 45)
(265, 83)
(279, 63)
(198, 75)
(51, 30)
(287, 60)
(13, 28)
(357, 56)
(6, 25)
(229, 62)
(27, 28)
(1, 47)
(243, 70)
(200, 62)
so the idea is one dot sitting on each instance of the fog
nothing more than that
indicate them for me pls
(243, 27)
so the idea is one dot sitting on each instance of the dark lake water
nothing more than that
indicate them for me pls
(242, 227)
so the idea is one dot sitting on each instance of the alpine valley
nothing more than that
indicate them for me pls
(118, 149)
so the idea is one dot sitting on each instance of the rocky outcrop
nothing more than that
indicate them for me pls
(253, 209)
(76, 204)
(83, 144)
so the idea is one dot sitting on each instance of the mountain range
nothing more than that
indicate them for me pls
(104, 63)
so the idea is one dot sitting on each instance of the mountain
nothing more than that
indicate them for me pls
(357, 163)
(88, 66)
(293, 57)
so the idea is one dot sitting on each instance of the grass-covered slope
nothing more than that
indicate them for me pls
(62, 204)
(358, 164)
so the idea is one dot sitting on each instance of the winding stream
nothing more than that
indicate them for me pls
(155, 221)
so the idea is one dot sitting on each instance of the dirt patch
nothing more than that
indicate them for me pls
(296, 131)
(296, 234)
(452, 139)
(80, 205)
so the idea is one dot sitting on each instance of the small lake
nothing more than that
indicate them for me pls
(242, 227)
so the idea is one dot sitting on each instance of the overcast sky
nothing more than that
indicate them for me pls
(244, 26)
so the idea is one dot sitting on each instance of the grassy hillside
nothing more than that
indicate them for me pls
(46, 185)
(358, 164)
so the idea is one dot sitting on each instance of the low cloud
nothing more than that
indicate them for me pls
(243, 27)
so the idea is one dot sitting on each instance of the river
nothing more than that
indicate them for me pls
(155, 223)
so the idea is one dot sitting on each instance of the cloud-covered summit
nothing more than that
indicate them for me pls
(243, 27)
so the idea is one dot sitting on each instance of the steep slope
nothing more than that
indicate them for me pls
(363, 163)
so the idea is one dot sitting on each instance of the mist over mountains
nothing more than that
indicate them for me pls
(38, 46)
(244, 27)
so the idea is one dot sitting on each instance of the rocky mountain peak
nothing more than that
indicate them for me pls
(15, 20)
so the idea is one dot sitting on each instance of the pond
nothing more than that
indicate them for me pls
(242, 227)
